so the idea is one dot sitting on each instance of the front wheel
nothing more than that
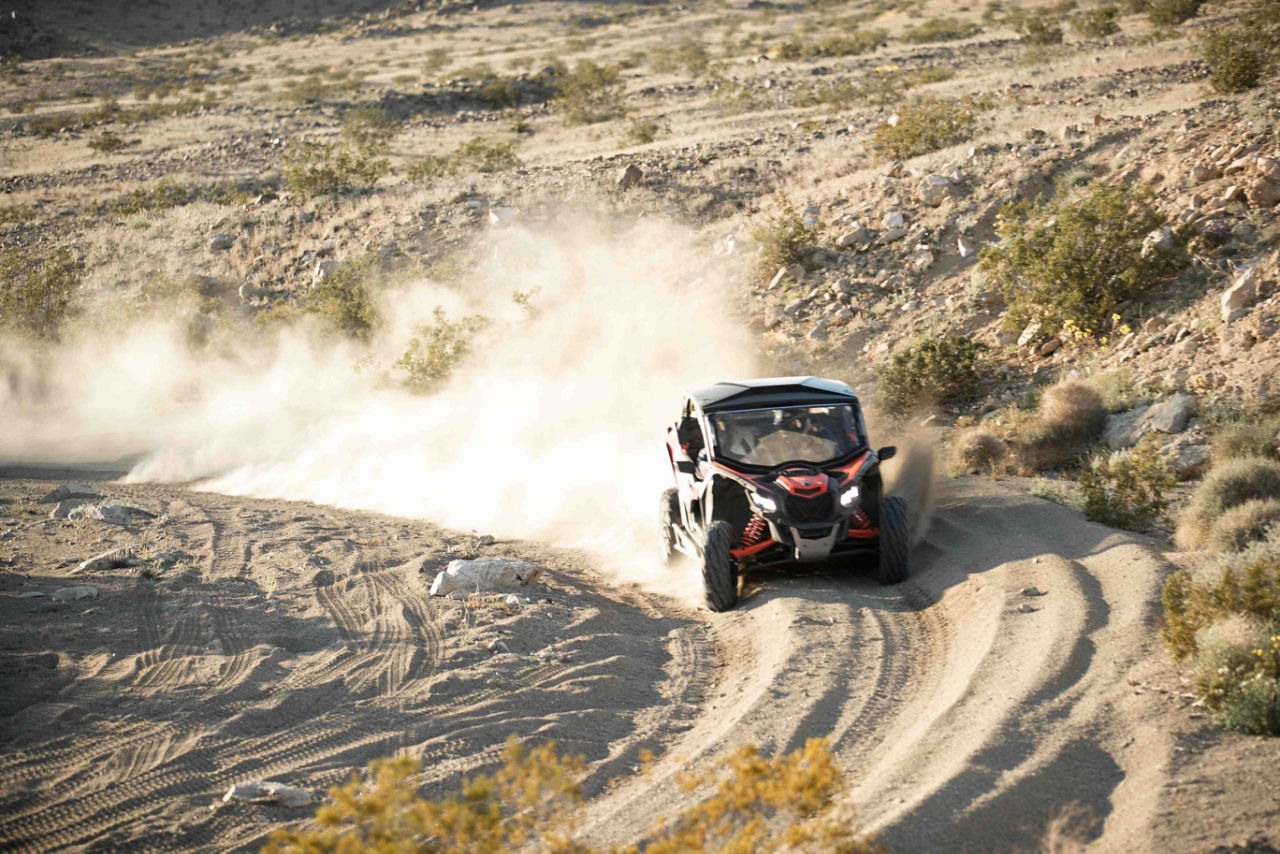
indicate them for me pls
(719, 574)
(895, 558)
(670, 515)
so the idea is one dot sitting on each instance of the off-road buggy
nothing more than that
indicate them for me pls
(777, 471)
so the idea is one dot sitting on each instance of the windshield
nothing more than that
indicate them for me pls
(770, 437)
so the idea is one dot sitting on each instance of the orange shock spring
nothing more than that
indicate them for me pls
(755, 531)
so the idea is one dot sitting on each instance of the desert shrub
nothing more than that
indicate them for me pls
(1127, 489)
(852, 44)
(1229, 484)
(47, 126)
(532, 802)
(590, 93)
(977, 451)
(314, 168)
(1168, 13)
(436, 59)
(643, 131)
(369, 127)
(877, 86)
(437, 348)
(927, 124)
(1070, 419)
(930, 370)
(478, 154)
(1240, 54)
(690, 56)
(1037, 29)
(344, 299)
(939, 30)
(1072, 260)
(782, 239)
(36, 294)
(1243, 524)
(1096, 23)
(1250, 438)
(107, 143)
(167, 193)
(1120, 390)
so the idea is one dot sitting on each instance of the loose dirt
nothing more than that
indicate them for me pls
(295, 642)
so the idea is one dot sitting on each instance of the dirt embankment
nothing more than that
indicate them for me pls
(1015, 677)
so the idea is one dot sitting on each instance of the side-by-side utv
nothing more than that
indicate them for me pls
(777, 471)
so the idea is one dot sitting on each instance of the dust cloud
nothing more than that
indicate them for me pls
(551, 429)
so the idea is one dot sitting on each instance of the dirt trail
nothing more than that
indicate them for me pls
(296, 642)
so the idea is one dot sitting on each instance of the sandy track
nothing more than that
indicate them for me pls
(968, 714)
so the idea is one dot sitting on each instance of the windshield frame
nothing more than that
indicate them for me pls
(718, 453)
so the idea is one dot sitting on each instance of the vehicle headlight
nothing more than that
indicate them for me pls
(764, 502)
(849, 496)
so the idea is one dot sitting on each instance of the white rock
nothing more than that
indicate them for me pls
(69, 490)
(111, 513)
(111, 559)
(1029, 333)
(1240, 295)
(857, 237)
(497, 216)
(935, 189)
(323, 270)
(74, 594)
(894, 219)
(483, 574)
(895, 233)
(966, 246)
(275, 794)
(1160, 240)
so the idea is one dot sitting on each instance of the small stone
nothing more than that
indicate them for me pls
(221, 241)
(1240, 295)
(31, 594)
(935, 189)
(893, 234)
(859, 236)
(1029, 334)
(274, 794)
(112, 559)
(1025, 608)
(894, 219)
(498, 216)
(486, 540)
(323, 270)
(966, 246)
(1032, 591)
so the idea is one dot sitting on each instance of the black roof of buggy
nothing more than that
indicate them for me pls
(771, 392)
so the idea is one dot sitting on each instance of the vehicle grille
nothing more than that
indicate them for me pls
(818, 508)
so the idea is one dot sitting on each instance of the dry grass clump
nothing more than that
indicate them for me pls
(977, 451)
(1244, 524)
(533, 803)
(1228, 485)
(1070, 419)
(1253, 438)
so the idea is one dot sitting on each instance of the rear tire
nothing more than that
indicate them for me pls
(895, 557)
(670, 511)
(719, 572)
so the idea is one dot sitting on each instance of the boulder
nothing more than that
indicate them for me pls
(74, 594)
(1172, 415)
(1188, 456)
(1121, 429)
(1237, 298)
(630, 177)
(935, 189)
(275, 794)
(483, 574)
(69, 490)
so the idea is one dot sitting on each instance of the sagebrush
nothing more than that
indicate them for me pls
(1128, 489)
(931, 370)
(926, 124)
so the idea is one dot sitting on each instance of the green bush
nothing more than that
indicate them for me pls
(1071, 261)
(782, 239)
(313, 168)
(1229, 484)
(927, 124)
(853, 44)
(344, 300)
(437, 348)
(533, 801)
(1169, 13)
(1250, 438)
(369, 127)
(930, 370)
(107, 143)
(1127, 489)
(1243, 524)
(478, 154)
(36, 295)
(939, 30)
(1240, 54)
(590, 93)
(1096, 23)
